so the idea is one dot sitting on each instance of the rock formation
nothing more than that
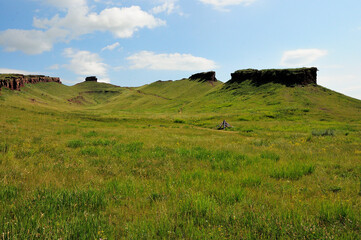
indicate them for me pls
(204, 77)
(91, 79)
(288, 77)
(16, 81)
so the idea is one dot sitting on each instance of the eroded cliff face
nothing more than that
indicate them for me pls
(288, 77)
(91, 79)
(204, 76)
(16, 81)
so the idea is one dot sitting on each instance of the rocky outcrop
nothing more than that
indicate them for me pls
(204, 77)
(91, 79)
(16, 81)
(288, 77)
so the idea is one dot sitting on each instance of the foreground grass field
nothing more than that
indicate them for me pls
(94, 161)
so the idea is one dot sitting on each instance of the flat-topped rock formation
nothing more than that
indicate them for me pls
(204, 77)
(288, 77)
(16, 81)
(91, 79)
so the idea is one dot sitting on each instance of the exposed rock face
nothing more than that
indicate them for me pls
(204, 76)
(288, 77)
(16, 81)
(91, 79)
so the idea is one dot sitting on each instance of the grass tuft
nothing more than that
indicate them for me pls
(75, 143)
(323, 133)
(331, 213)
(270, 155)
(293, 171)
(179, 121)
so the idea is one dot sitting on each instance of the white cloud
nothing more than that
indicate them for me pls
(8, 70)
(30, 41)
(175, 61)
(86, 63)
(55, 67)
(301, 57)
(346, 81)
(104, 79)
(66, 4)
(107, 2)
(111, 47)
(221, 4)
(122, 22)
(78, 20)
(168, 7)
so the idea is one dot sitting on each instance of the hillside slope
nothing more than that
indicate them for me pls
(268, 101)
(98, 161)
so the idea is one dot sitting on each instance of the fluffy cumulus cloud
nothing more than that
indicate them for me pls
(78, 20)
(301, 57)
(122, 22)
(221, 4)
(30, 41)
(86, 63)
(174, 61)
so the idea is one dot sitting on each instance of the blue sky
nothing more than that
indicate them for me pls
(131, 43)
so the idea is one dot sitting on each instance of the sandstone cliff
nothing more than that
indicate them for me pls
(288, 77)
(16, 81)
(91, 79)
(204, 76)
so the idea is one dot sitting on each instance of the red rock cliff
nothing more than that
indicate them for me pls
(16, 81)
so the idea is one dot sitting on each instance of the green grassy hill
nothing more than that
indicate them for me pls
(97, 161)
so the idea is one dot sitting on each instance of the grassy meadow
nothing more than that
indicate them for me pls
(96, 161)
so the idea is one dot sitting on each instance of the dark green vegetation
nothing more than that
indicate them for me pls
(96, 161)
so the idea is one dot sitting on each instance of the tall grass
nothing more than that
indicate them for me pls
(292, 171)
(149, 165)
